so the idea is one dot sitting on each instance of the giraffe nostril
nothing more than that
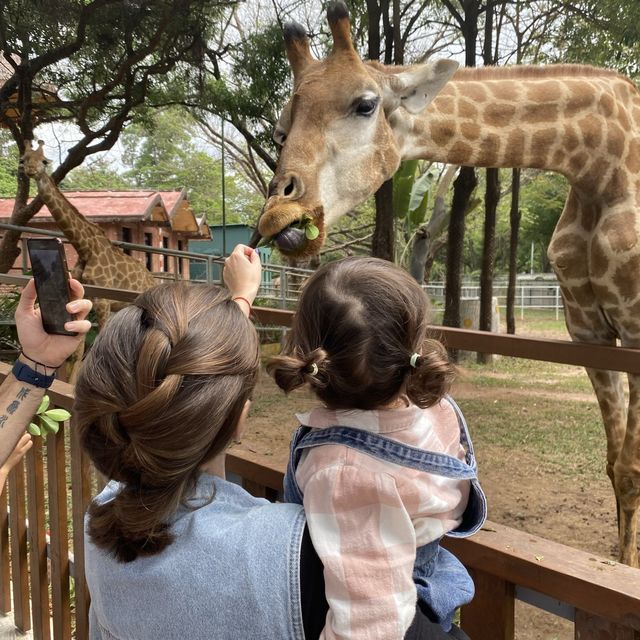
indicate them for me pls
(288, 190)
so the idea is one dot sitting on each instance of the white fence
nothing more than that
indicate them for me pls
(530, 294)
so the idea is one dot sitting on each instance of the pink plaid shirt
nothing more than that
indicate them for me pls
(367, 516)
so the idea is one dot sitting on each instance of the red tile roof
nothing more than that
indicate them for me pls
(108, 204)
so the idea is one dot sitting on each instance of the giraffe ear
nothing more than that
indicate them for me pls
(415, 88)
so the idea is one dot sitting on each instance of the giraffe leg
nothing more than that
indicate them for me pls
(627, 478)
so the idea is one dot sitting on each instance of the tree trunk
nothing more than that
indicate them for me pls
(463, 187)
(383, 241)
(429, 237)
(21, 214)
(514, 218)
(492, 195)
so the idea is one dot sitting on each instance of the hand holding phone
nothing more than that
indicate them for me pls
(51, 275)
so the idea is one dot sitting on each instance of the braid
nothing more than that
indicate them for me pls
(160, 393)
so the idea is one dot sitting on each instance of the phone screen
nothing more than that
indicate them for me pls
(51, 277)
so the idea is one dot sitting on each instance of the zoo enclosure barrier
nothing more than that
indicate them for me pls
(280, 285)
(543, 294)
(41, 527)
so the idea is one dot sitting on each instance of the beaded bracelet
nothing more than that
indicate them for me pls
(243, 299)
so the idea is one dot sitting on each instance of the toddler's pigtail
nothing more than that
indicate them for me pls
(431, 374)
(293, 371)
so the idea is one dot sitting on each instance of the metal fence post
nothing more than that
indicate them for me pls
(557, 302)
(283, 288)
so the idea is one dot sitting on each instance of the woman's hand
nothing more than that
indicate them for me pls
(49, 349)
(242, 273)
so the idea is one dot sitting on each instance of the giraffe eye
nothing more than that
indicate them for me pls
(279, 135)
(366, 106)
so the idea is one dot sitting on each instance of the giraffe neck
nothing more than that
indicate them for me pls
(575, 121)
(78, 230)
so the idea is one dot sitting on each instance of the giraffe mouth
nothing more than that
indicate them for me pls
(295, 230)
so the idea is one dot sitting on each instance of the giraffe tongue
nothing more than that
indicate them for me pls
(290, 239)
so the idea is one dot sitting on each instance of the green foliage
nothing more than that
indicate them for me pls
(255, 86)
(97, 175)
(8, 334)
(604, 33)
(542, 200)
(47, 420)
(162, 154)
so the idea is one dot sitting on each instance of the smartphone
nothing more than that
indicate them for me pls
(51, 275)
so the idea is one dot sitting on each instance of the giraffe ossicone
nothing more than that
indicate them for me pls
(349, 124)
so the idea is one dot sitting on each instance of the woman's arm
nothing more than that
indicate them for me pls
(42, 354)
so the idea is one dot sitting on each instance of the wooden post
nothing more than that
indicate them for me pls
(592, 627)
(57, 483)
(5, 572)
(81, 483)
(491, 614)
(19, 564)
(38, 543)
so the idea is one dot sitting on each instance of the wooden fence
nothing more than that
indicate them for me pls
(41, 526)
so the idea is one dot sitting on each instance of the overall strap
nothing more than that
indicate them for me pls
(383, 448)
(465, 436)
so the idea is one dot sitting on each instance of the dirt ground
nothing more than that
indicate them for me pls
(575, 510)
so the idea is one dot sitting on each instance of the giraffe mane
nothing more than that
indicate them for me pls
(536, 71)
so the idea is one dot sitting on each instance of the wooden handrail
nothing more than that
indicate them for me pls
(582, 354)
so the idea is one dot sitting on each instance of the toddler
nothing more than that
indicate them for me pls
(384, 466)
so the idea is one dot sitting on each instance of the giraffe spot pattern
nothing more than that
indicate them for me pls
(541, 112)
(591, 129)
(467, 109)
(598, 258)
(541, 141)
(581, 97)
(626, 279)
(499, 114)
(507, 91)
(460, 153)
(606, 105)
(470, 130)
(442, 131)
(491, 149)
(514, 147)
(446, 105)
(604, 294)
(615, 140)
(633, 156)
(617, 187)
(476, 92)
(571, 138)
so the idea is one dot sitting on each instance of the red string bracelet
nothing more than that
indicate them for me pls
(243, 299)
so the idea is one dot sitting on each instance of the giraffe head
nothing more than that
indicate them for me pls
(339, 133)
(33, 162)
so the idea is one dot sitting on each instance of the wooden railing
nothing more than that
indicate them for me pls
(41, 528)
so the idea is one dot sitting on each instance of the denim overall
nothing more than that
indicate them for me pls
(442, 582)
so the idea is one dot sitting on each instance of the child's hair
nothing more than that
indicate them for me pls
(358, 323)
(159, 394)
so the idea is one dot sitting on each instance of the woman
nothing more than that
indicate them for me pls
(173, 550)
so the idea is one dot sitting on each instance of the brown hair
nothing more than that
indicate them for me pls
(159, 394)
(359, 321)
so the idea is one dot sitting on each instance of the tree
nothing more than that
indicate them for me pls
(162, 154)
(98, 64)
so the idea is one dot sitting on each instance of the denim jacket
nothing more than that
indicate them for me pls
(232, 572)
(442, 582)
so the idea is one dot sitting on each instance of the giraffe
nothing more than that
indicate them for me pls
(99, 262)
(349, 124)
